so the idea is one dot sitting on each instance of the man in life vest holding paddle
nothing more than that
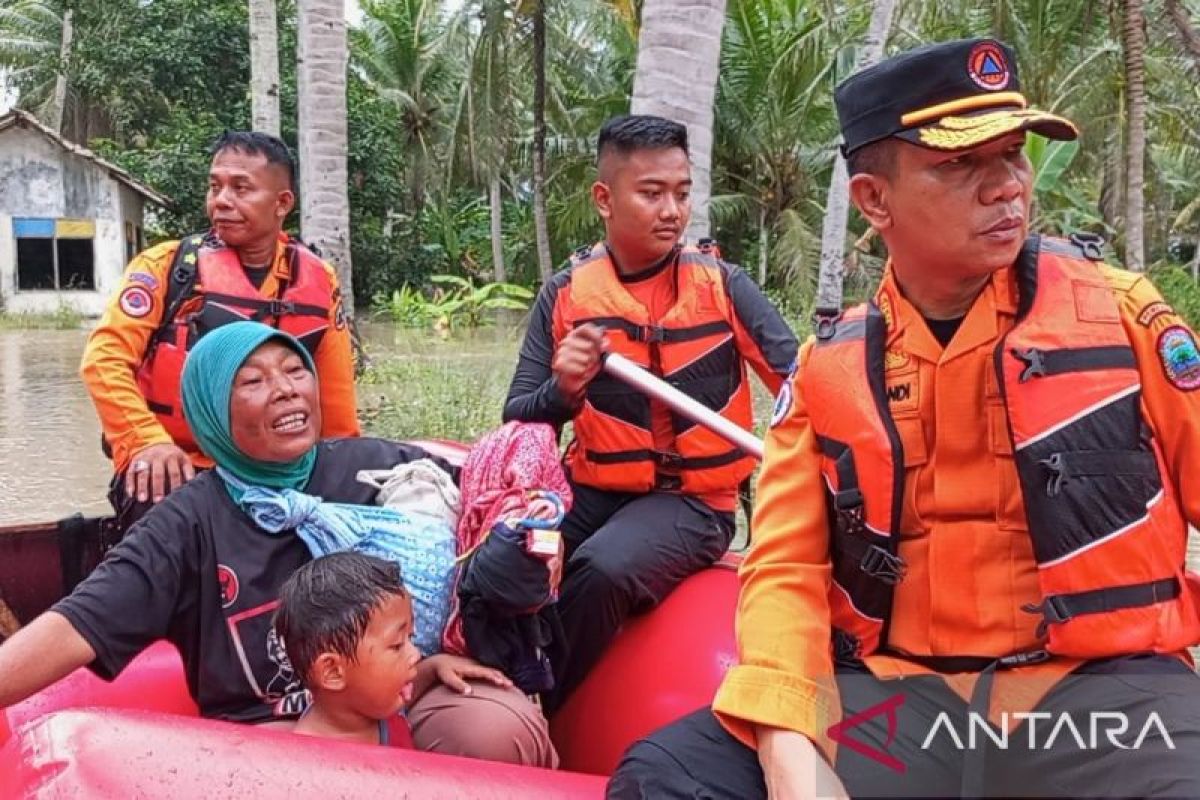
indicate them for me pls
(245, 267)
(654, 492)
(981, 482)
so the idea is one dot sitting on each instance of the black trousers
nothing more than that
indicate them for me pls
(625, 554)
(1127, 727)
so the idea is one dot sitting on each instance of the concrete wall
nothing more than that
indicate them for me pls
(40, 179)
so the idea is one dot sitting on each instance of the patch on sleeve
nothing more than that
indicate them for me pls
(144, 278)
(1180, 357)
(136, 301)
(1152, 312)
(783, 400)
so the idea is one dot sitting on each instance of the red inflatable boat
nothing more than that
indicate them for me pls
(139, 736)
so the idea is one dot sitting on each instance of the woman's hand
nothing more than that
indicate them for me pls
(455, 671)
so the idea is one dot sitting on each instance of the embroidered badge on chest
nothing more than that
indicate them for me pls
(1180, 357)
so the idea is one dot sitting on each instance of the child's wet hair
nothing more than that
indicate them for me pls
(326, 605)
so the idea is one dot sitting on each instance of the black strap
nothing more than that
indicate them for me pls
(1059, 608)
(665, 460)
(1042, 363)
(849, 496)
(657, 333)
(181, 283)
(949, 665)
(267, 308)
(1077, 464)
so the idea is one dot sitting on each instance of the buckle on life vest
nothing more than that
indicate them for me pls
(880, 564)
(1092, 244)
(650, 334)
(665, 460)
(275, 308)
(1054, 611)
(1035, 363)
(709, 246)
(825, 320)
(1057, 467)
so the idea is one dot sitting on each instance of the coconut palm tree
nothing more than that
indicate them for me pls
(491, 98)
(407, 52)
(1134, 47)
(264, 67)
(679, 52)
(837, 203)
(540, 229)
(35, 49)
(774, 128)
(321, 56)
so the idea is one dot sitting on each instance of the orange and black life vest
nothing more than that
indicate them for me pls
(692, 348)
(209, 288)
(1107, 530)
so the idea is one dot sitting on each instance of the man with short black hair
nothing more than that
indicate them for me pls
(654, 493)
(969, 571)
(244, 267)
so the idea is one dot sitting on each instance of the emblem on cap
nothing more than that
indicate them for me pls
(988, 66)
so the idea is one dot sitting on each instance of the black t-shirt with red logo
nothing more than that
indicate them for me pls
(197, 572)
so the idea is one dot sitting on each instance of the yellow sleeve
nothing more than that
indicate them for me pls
(335, 370)
(1168, 359)
(783, 677)
(115, 350)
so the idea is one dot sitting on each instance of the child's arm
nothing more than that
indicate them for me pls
(454, 671)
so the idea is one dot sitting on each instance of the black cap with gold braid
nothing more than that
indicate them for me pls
(947, 96)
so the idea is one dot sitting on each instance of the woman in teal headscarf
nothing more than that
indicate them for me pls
(264, 447)
(203, 568)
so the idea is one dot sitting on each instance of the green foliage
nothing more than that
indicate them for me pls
(455, 302)
(451, 389)
(64, 318)
(1180, 291)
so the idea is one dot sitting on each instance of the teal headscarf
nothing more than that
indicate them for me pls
(207, 387)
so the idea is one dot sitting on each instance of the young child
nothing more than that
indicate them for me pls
(346, 623)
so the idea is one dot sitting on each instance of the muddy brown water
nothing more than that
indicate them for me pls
(51, 464)
(50, 459)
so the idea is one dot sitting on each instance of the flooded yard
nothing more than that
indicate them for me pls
(419, 385)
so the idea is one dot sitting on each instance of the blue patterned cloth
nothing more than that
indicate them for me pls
(424, 547)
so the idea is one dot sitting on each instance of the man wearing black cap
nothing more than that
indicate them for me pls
(968, 576)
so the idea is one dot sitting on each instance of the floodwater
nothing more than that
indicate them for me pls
(51, 465)
(50, 460)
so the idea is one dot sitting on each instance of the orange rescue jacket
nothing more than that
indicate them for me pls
(1105, 524)
(692, 348)
(212, 273)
